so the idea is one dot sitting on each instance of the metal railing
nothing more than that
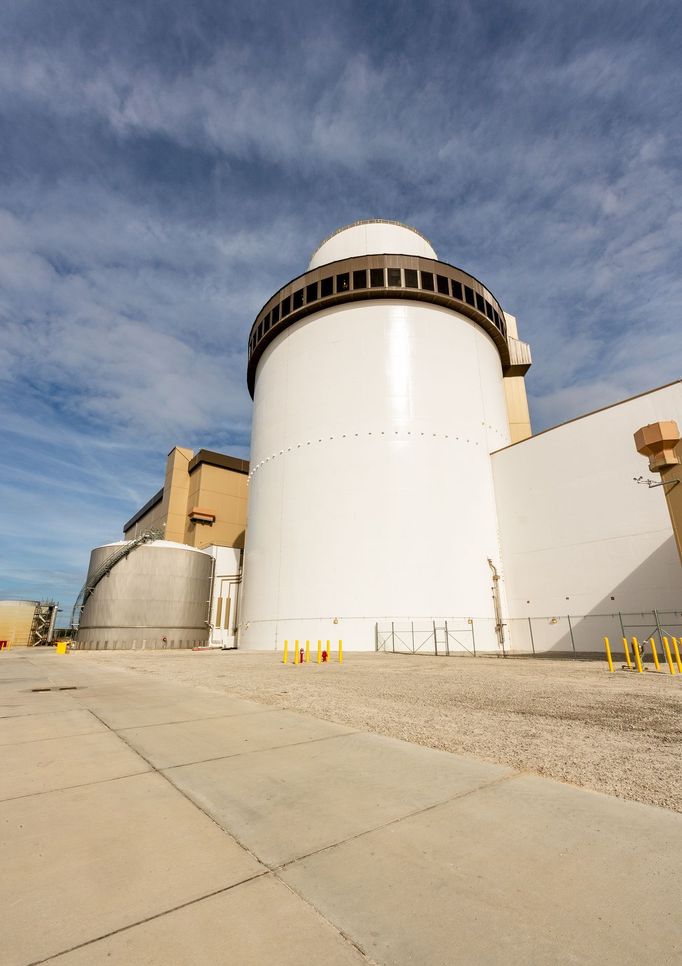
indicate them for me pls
(570, 635)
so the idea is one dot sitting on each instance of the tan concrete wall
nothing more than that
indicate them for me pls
(223, 492)
(16, 620)
(515, 395)
(517, 408)
(175, 491)
(153, 520)
(673, 497)
(218, 489)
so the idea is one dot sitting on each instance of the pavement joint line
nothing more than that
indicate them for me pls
(211, 717)
(34, 714)
(230, 834)
(344, 935)
(141, 922)
(66, 788)
(32, 741)
(401, 818)
(258, 751)
(187, 798)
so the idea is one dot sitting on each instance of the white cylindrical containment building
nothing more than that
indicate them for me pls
(377, 379)
(156, 596)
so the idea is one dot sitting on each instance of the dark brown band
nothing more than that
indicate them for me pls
(382, 277)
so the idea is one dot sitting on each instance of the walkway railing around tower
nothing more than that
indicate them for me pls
(569, 635)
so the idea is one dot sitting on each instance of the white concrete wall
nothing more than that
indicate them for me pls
(579, 537)
(371, 492)
(225, 599)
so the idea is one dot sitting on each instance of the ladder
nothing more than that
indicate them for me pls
(93, 579)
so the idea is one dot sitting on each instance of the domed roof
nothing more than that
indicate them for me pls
(372, 237)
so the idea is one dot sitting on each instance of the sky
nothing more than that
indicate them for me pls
(166, 166)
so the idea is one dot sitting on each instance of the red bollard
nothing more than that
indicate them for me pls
(324, 657)
(300, 656)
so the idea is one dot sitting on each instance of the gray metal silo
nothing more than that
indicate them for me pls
(152, 595)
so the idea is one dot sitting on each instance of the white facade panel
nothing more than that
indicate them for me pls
(579, 536)
(371, 493)
(225, 596)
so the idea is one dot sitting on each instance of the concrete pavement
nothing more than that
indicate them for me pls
(156, 824)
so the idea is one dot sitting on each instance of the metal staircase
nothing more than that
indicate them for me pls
(93, 579)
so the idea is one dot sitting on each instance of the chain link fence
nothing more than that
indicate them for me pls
(578, 636)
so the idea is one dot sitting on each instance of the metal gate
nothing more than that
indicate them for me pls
(440, 637)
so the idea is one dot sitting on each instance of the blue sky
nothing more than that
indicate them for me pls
(167, 165)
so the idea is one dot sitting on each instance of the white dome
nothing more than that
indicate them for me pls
(371, 238)
(158, 544)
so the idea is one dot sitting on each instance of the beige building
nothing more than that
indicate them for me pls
(202, 502)
(27, 623)
(660, 442)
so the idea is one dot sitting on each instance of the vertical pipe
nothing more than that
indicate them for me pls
(209, 622)
(608, 654)
(296, 652)
(532, 642)
(393, 636)
(473, 639)
(307, 652)
(654, 653)
(627, 653)
(329, 650)
(638, 656)
(435, 640)
(570, 627)
(668, 656)
(285, 658)
(340, 652)
(319, 652)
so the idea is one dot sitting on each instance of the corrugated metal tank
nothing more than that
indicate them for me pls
(156, 597)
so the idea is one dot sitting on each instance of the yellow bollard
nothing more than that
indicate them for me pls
(285, 658)
(307, 652)
(296, 653)
(627, 652)
(654, 654)
(319, 652)
(340, 652)
(638, 656)
(668, 657)
(62, 647)
(677, 655)
(329, 650)
(608, 654)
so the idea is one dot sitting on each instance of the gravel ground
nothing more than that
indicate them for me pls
(569, 720)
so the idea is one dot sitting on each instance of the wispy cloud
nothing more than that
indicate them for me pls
(166, 166)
